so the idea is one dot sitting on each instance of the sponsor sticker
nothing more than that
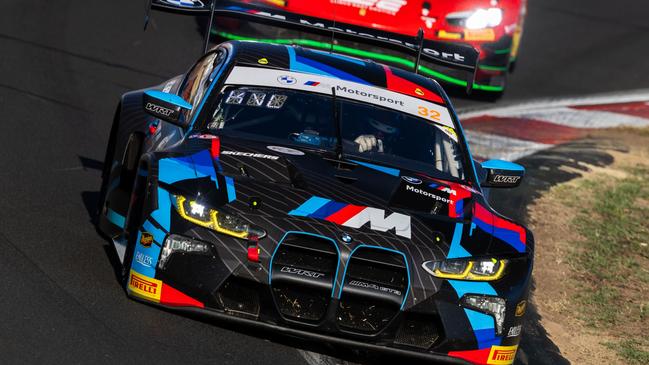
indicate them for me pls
(147, 239)
(250, 154)
(427, 194)
(449, 35)
(520, 308)
(502, 355)
(286, 80)
(390, 7)
(145, 287)
(364, 284)
(479, 34)
(143, 259)
(262, 61)
(419, 92)
(506, 179)
(411, 180)
(157, 109)
(514, 331)
(203, 136)
(286, 150)
(186, 3)
(301, 272)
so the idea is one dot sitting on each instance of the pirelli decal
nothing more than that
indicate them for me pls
(144, 286)
(502, 355)
(252, 76)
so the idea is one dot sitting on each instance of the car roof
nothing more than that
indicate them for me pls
(300, 59)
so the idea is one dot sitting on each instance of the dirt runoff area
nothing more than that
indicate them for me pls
(592, 255)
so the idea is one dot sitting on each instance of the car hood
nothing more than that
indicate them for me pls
(290, 187)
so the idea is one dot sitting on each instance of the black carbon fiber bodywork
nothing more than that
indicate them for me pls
(311, 273)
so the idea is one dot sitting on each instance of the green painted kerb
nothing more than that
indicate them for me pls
(363, 54)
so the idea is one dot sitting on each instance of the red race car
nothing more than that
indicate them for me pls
(493, 27)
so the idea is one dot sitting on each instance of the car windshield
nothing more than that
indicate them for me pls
(369, 133)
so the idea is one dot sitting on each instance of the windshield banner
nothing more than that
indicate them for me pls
(254, 76)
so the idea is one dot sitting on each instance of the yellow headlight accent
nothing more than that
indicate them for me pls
(497, 275)
(461, 276)
(218, 228)
(468, 275)
(212, 223)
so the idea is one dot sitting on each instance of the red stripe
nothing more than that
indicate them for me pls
(525, 129)
(215, 151)
(474, 356)
(486, 216)
(345, 214)
(638, 108)
(171, 296)
(403, 86)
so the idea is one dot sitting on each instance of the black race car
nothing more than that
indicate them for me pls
(324, 196)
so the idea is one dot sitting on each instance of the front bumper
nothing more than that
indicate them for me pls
(399, 319)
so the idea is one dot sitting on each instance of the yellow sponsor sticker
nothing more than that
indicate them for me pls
(448, 35)
(144, 286)
(146, 240)
(520, 308)
(419, 92)
(502, 355)
(479, 34)
(262, 61)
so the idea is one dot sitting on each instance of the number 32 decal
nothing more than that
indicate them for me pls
(429, 113)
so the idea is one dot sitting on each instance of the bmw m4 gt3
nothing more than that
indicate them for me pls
(324, 196)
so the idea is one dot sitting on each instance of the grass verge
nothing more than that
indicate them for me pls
(609, 263)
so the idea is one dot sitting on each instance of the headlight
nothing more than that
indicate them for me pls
(218, 221)
(493, 306)
(175, 243)
(488, 269)
(478, 19)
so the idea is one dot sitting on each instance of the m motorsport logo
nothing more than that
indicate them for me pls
(354, 216)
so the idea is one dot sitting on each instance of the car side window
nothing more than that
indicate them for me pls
(198, 79)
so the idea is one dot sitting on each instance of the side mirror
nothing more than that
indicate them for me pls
(502, 174)
(165, 106)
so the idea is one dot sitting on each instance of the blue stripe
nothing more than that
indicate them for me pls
(229, 185)
(459, 208)
(308, 207)
(270, 265)
(171, 170)
(162, 215)
(480, 321)
(405, 260)
(327, 210)
(487, 338)
(340, 57)
(387, 170)
(115, 218)
(513, 238)
(456, 250)
(328, 70)
(472, 287)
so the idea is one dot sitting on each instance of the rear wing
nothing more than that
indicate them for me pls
(451, 55)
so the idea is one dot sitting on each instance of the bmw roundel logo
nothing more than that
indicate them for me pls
(346, 238)
(411, 180)
(286, 80)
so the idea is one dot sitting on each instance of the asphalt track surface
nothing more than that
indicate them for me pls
(63, 66)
